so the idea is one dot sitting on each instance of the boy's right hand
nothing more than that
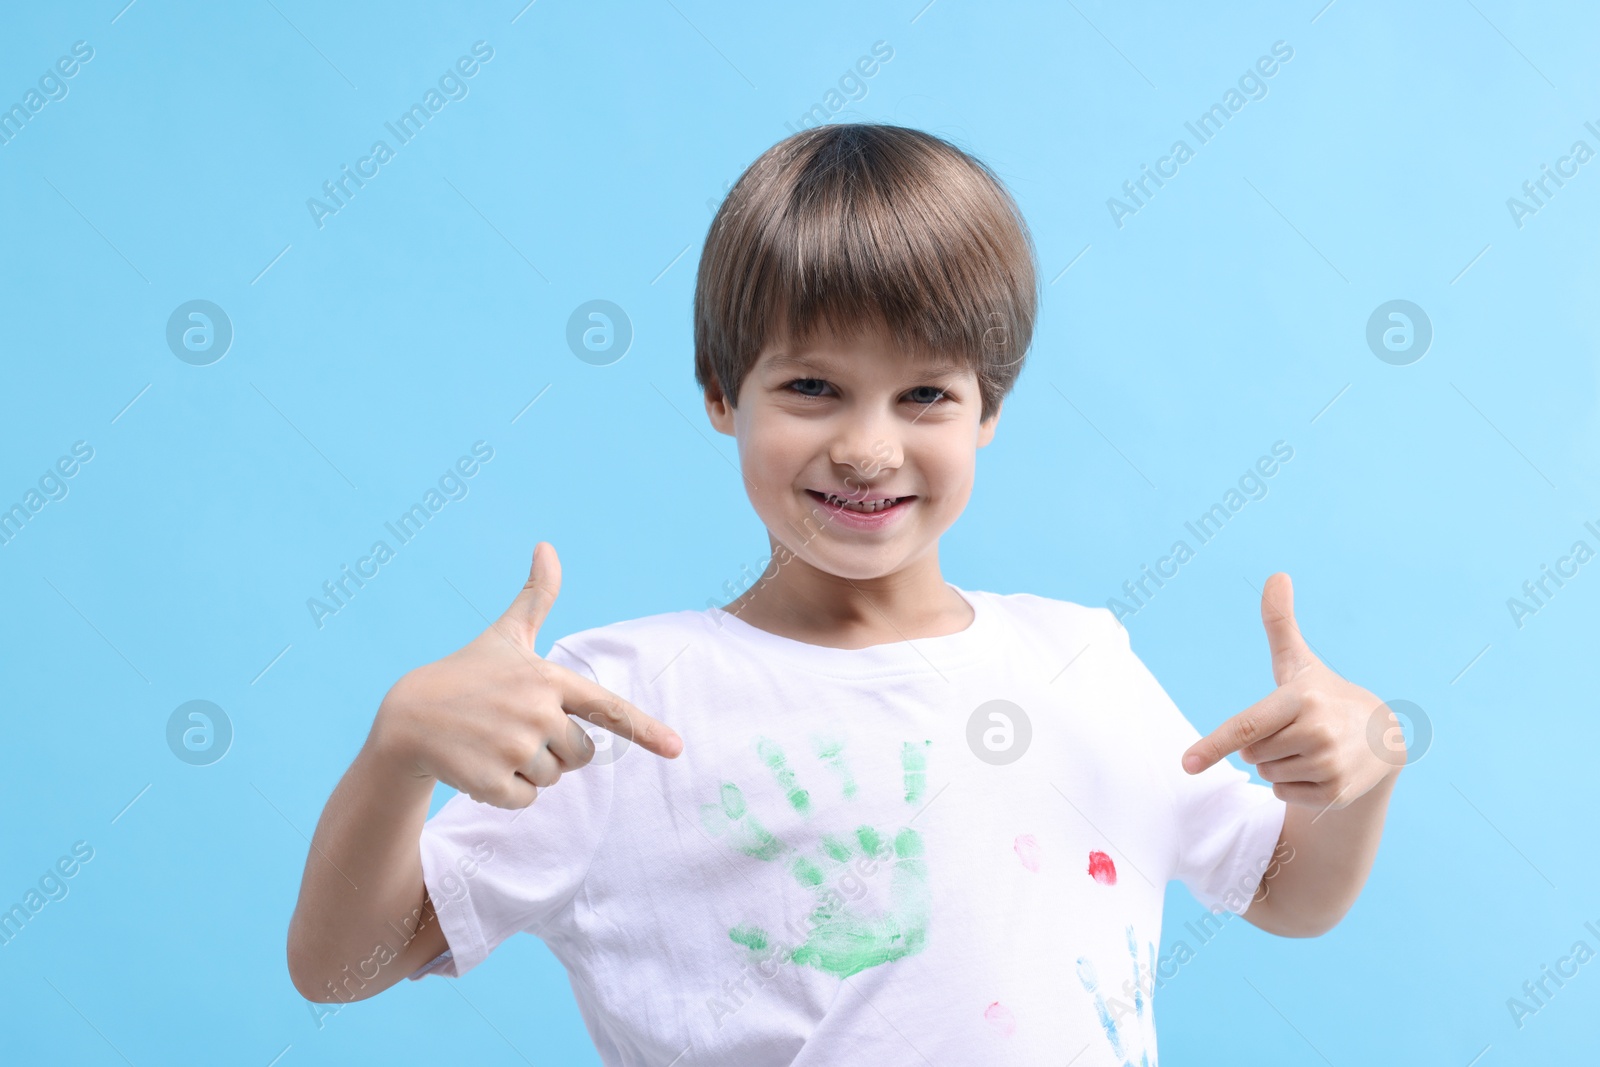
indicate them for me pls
(493, 719)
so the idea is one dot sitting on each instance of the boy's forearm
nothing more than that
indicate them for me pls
(363, 885)
(1330, 853)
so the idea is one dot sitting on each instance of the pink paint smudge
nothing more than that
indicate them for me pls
(1001, 1019)
(1028, 851)
(1101, 869)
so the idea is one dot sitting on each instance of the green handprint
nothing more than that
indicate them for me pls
(837, 938)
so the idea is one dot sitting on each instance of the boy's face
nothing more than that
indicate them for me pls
(856, 456)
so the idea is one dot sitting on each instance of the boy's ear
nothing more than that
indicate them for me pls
(718, 410)
(986, 427)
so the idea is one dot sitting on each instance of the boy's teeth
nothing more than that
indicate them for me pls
(868, 507)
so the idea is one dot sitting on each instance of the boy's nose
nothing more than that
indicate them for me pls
(866, 449)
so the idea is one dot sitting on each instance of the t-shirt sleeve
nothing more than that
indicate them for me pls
(491, 871)
(1227, 827)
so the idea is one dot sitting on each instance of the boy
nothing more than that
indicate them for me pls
(879, 818)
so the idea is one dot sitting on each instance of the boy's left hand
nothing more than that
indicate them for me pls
(1313, 737)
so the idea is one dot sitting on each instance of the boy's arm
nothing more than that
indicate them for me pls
(363, 886)
(1333, 751)
(1325, 856)
(492, 719)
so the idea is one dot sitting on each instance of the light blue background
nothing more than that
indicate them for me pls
(1224, 316)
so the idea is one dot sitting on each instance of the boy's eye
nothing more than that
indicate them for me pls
(808, 386)
(924, 395)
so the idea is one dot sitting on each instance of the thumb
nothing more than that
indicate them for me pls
(539, 592)
(1290, 654)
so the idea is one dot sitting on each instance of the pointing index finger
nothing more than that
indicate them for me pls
(1261, 719)
(585, 700)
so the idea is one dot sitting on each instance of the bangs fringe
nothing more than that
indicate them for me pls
(846, 227)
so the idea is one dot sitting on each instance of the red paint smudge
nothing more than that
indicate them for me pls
(1001, 1019)
(1101, 869)
(1028, 851)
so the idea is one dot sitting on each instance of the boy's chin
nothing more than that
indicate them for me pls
(856, 566)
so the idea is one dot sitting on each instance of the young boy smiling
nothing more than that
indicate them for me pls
(879, 818)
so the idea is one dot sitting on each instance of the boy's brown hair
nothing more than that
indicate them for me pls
(848, 225)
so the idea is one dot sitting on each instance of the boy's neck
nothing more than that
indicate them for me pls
(802, 603)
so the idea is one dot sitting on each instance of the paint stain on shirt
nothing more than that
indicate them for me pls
(914, 766)
(773, 757)
(1028, 851)
(831, 752)
(843, 935)
(1001, 1019)
(1122, 1034)
(1101, 869)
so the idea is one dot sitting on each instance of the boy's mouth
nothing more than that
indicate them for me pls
(865, 507)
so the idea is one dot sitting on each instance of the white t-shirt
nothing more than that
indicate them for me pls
(838, 869)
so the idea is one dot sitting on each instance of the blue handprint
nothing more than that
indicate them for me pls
(1123, 1043)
